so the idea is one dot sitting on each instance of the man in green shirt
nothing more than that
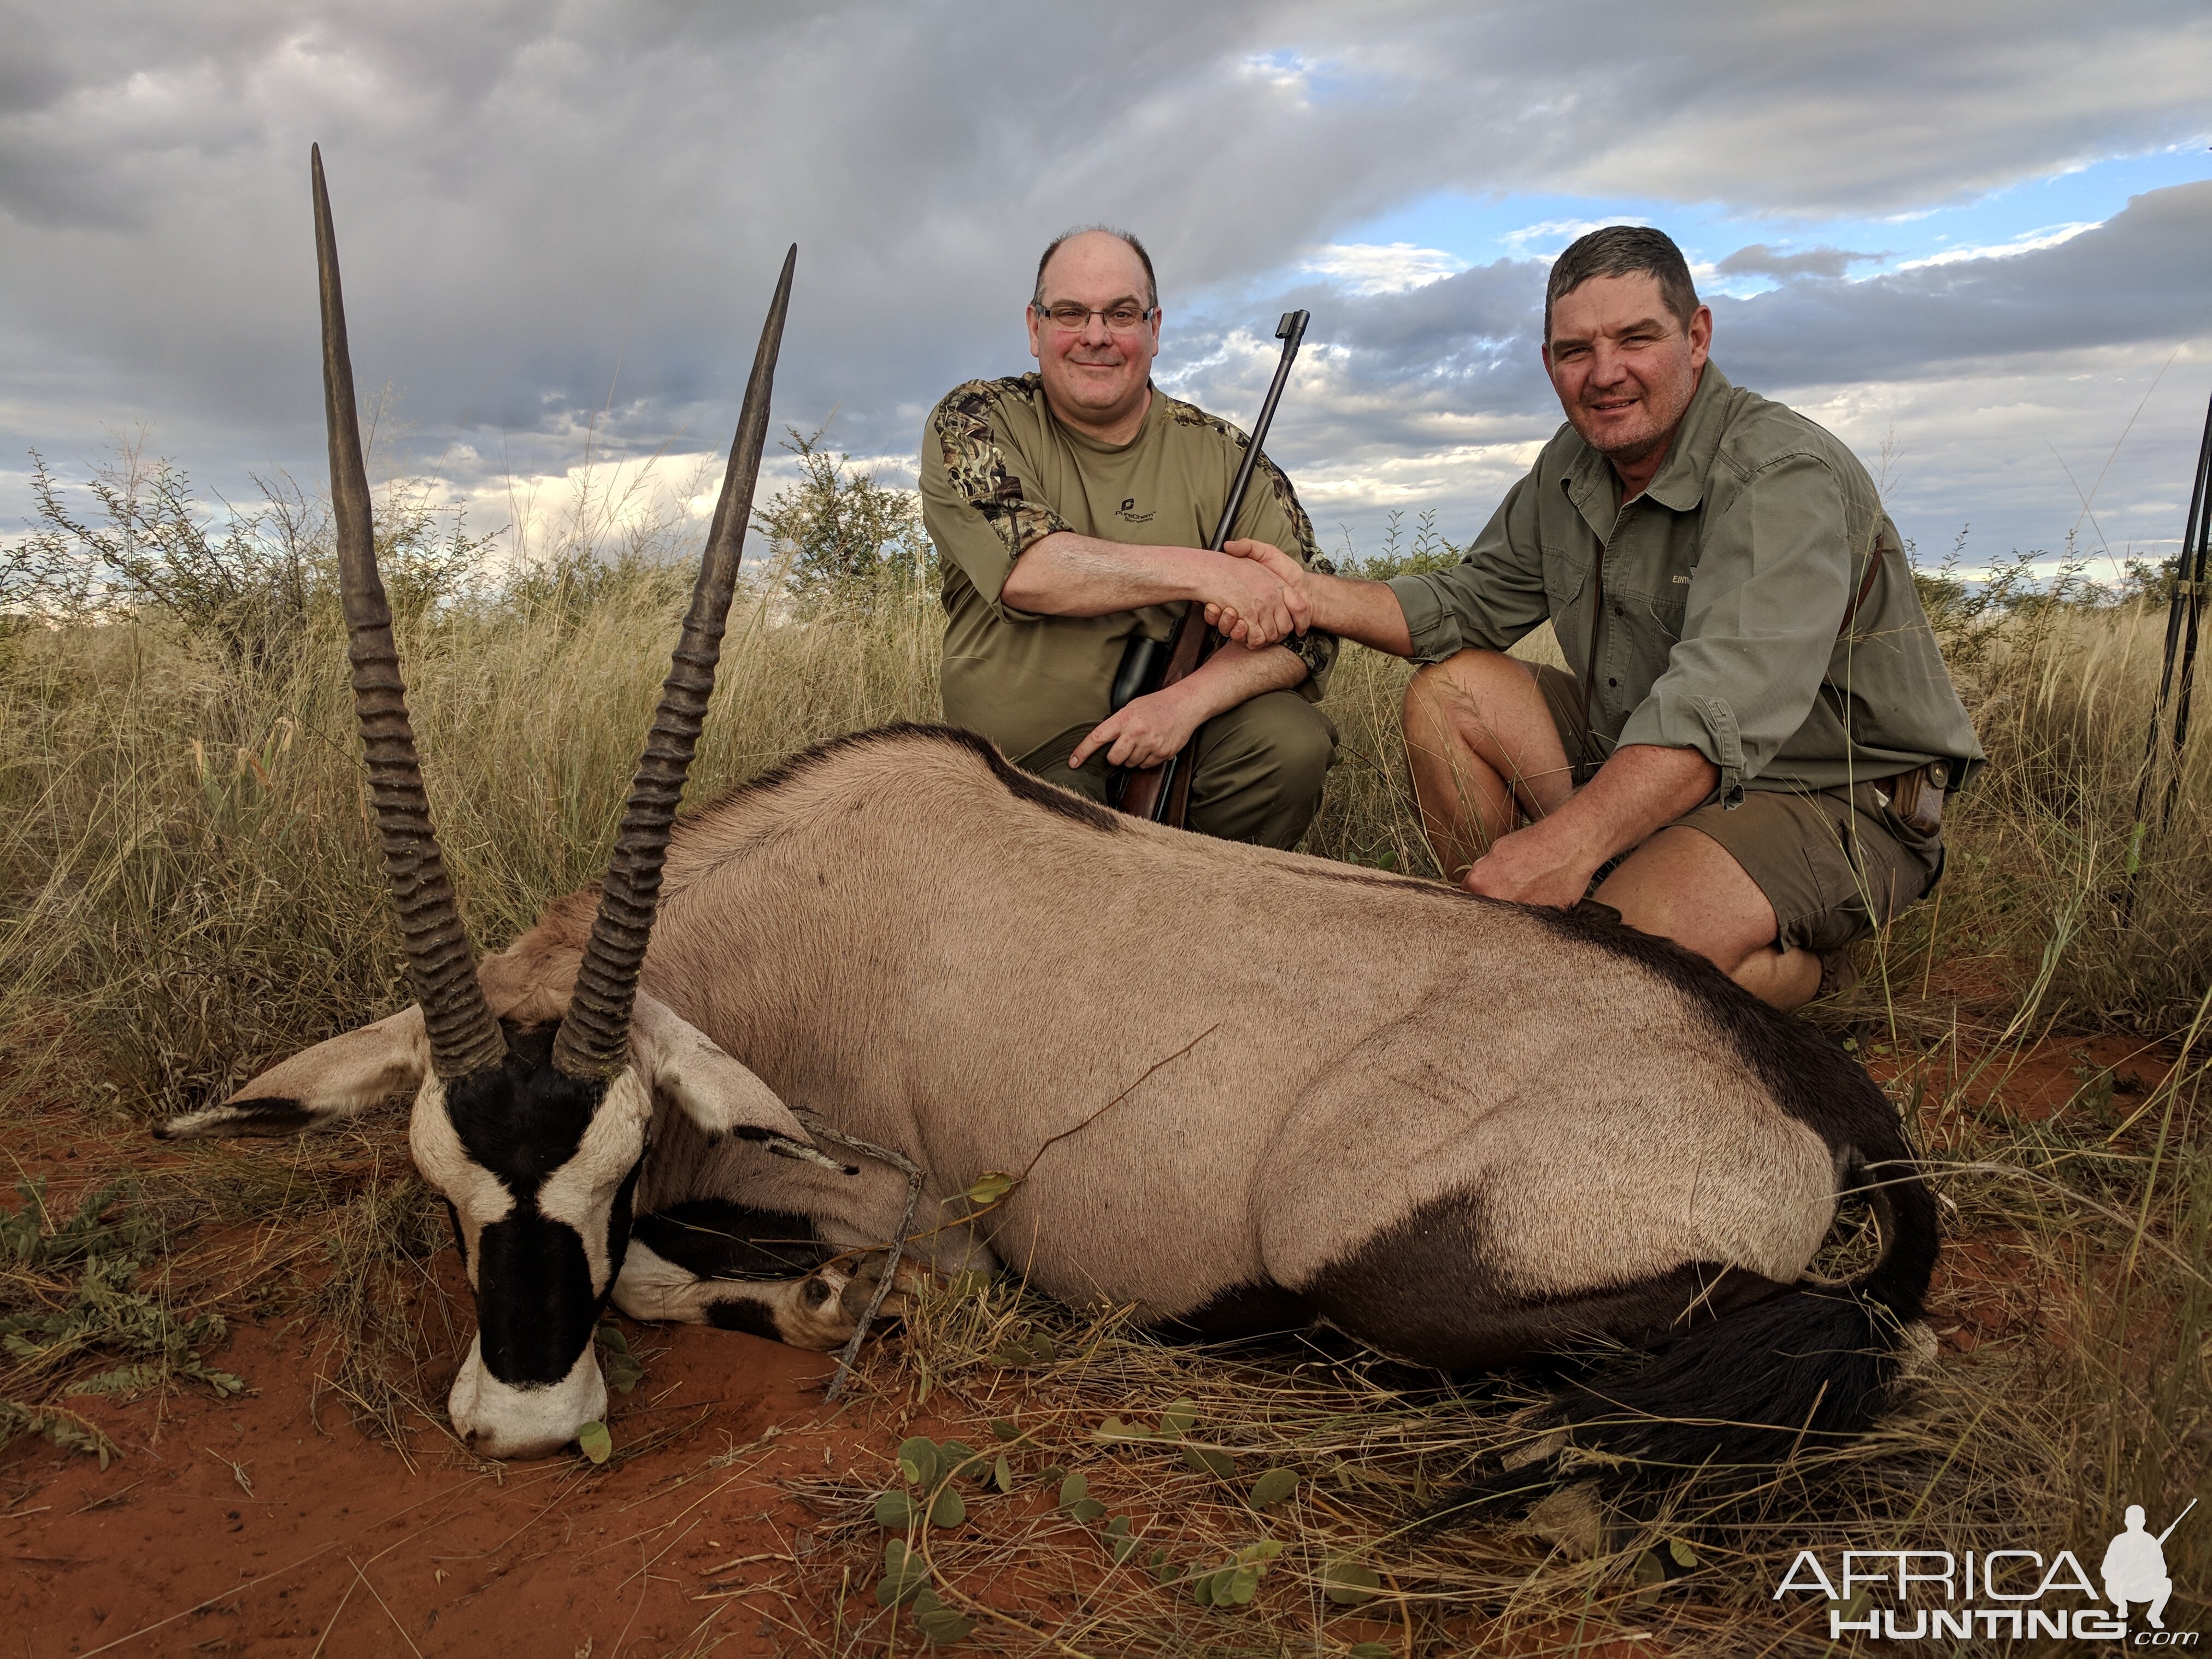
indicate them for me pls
(1071, 509)
(1757, 725)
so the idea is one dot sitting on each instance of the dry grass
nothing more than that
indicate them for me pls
(186, 893)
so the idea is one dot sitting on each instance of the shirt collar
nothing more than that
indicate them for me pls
(1594, 487)
(1680, 483)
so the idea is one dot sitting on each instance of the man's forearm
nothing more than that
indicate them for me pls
(1065, 574)
(1354, 609)
(1233, 675)
(1640, 788)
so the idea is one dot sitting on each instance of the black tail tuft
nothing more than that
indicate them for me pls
(1807, 1366)
(1811, 1365)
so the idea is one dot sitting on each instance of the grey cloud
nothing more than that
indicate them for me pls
(1995, 368)
(1759, 260)
(528, 196)
(2137, 278)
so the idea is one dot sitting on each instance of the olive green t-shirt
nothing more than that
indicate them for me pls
(1000, 473)
(1753, 604)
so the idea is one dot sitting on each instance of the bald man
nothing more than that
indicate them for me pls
(1071, 509)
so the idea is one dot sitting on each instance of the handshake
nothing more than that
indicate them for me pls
(1259, 597)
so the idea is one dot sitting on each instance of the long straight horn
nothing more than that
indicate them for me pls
(593, 1041)
(440, 967)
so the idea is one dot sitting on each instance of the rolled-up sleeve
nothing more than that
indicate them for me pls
(1491, 597)
(973, 499)
(1766, 602)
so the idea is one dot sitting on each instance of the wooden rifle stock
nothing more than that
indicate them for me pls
(1162, 792)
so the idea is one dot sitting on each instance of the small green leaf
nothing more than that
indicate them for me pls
(1244, 1584)
(1202, 1589)
(1086, 1509)
(1073, 1490)
(904, 1575)
(1117, 1527)
(1043, 1348)
(895, 1512)
(990, 1186)
(1207, 1461)
(1115, 1430)
(611, 1337)
(940, 1624)
(1272, 1488)
(1004, 1430)
(1685, 1557)
(1123, 1548)
(948, 1509)
(1002, 1474)
(595, 1442)
(917, 1461)
(1348, 1584)
(1651, 1577)
(955, 1459)
(1054, 1472)
(1177, 1420)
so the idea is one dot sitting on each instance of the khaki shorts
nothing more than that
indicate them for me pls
(1835, 863)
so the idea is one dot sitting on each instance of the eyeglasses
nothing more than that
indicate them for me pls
(1123, 318)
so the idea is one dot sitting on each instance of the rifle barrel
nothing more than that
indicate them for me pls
(1162, 792)
(2178, 1520)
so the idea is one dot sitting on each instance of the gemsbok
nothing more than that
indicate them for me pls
(1466, 1134)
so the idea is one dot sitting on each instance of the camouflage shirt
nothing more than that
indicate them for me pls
(1000, 473)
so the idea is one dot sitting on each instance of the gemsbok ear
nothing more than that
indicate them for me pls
(713, 1090)
(321, 1085)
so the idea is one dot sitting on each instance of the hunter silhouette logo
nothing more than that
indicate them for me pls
(1924, 1596)
(2135, 1566)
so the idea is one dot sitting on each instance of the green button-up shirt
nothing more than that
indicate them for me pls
(1720, 611)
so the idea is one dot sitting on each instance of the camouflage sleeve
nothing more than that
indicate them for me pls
(978, 468)
(1317, 648)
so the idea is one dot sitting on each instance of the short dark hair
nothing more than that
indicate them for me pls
(1624, 250)
(1151, 284)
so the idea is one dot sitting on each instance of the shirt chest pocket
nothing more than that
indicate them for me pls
(1565, 577)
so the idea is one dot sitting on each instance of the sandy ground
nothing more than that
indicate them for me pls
(247, 1527)
(240, 1527)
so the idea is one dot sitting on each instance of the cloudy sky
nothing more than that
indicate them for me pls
(1971, 238)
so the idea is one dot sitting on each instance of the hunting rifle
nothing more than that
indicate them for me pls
(2185, 608)
(1162, 792)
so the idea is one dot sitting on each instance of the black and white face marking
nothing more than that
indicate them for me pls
(538, 1168)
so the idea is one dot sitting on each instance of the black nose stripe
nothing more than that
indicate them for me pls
(535, 1308)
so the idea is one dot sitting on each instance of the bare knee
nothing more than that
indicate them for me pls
(1461, 685)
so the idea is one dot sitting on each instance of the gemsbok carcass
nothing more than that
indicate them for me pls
(1464, 1133)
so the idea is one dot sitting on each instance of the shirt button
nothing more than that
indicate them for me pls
(1617, 611)
(1615, 683)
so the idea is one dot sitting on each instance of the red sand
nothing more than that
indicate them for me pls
(339, 1543)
